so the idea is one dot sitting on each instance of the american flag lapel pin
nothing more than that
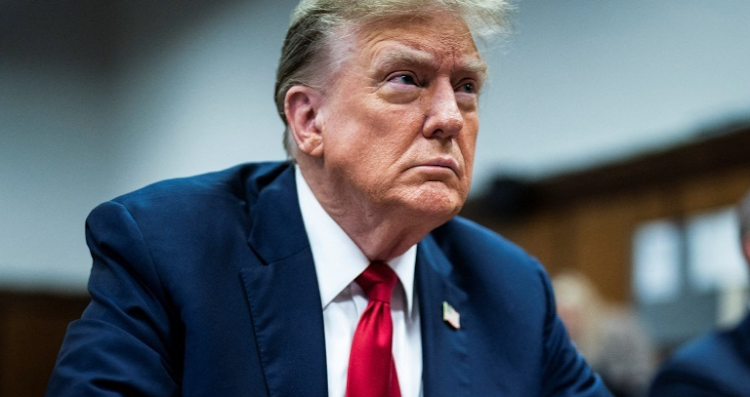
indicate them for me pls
(451, 316)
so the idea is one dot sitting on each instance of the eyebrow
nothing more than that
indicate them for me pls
(476, 66)
(406, 55)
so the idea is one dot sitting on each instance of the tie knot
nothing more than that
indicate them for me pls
(378, 281)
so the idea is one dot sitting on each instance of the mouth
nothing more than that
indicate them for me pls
(442, 163)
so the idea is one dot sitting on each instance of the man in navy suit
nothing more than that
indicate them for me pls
(252, 281)
(717, 364)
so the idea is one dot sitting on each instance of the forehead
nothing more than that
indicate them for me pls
(424, 38)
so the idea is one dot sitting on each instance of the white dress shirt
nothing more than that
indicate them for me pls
(338, 262)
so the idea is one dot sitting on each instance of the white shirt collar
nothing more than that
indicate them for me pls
(338, 260)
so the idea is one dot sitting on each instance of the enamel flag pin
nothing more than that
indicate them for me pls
(451, 316)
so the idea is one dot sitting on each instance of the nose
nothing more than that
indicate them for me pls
(443, 118)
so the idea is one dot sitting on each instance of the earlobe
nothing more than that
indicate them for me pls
(302, 109)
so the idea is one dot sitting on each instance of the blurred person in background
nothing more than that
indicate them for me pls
(343, 271)
(610, 337)
(717, 364)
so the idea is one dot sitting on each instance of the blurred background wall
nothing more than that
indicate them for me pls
(100, 98)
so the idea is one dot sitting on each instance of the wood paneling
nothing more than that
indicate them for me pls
(585, 220)
(32, 327)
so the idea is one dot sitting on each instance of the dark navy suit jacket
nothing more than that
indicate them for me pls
(715, 365)
(206, 286)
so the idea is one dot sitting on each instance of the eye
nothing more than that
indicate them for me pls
(403, 78)
(467, 87)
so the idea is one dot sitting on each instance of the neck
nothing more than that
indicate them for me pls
(380, 232)
(382, 240)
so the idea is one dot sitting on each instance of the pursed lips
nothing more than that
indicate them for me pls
(448, 162)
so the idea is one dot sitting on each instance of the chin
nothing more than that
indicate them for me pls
(437, 205)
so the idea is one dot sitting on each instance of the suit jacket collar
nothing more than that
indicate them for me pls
(283, 295)
(277, 230)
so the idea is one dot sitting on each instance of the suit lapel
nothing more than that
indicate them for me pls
(283, 295)
(444, 348)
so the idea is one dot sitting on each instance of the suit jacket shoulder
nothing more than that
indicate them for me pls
(169, 311)
(241, 184)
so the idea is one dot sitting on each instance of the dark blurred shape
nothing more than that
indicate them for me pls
(62, 35)
(32, 326)
(506, 199)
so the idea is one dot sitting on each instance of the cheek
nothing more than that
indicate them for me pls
(468, 140)
(358, 154)
(391, 135)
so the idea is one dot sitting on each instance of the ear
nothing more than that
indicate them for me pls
(302, 109)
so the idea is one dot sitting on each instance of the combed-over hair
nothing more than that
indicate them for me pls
(307, 58)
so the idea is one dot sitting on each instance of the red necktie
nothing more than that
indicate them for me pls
(372, 371)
